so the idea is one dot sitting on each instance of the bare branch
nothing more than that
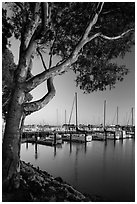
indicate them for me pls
(111, 11)
(44, 65)
(41, 28)
(99, 7)
(93, 21)
(116, 37)
(51, 53)
(35, 31)
(39, 104)
(29, 29)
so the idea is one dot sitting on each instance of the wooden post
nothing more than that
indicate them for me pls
(27, 145)
(105, 132)
(70, 138)
(85, 147)
(122, 134)
(36, 151)
(35, 137)
(85, 137)
(54, 138)
(55, 152)
(114, 135)
(105, 143)
(114, 143)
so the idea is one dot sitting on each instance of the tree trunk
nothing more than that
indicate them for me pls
(12, 141)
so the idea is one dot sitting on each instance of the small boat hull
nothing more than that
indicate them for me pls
(76, 137)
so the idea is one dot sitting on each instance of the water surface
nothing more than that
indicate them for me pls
(97, 168)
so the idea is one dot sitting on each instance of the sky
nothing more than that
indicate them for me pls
(90, 106)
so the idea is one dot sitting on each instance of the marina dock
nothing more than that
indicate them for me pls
(99, 135)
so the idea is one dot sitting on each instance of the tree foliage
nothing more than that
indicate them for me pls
(66, 25)
(7, 29)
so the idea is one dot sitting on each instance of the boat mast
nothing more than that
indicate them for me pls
(132, 116)
(117, 115)
(76, 111)
(57, 116)
(65, 117)
(72, 110)
(104, 114)
(65, 121)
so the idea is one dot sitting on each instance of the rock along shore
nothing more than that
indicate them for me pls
(39, 186)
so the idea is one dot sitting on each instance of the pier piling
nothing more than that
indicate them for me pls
(85, 137)
(70, 137)
(55, 138)
(114, 136)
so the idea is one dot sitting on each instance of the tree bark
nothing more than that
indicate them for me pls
(11, 142)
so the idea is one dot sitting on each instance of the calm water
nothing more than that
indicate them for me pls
(97, 168)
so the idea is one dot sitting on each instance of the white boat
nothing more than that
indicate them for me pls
(124, 134)
(127, 134)
(78, 137)
(52, 136)
(118, 134)
(55, 138)
(82, 137)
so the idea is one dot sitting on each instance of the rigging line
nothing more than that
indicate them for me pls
(114, 118)
(71, 110)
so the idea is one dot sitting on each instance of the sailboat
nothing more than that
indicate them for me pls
(130, 129)
(78, 135)
(120, 133)
(115, 130)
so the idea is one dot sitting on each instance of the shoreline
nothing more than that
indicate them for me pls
(39, 186)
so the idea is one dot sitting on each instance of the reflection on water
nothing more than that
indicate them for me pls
(103, 168)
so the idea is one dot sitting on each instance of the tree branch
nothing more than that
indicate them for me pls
(29, 74)
(51, 53)
(39, 104)
(58, 69)
(116, 37)
(44, 8)
(65, 65)
(41, 28)
(41, 59)
(93, 21)
(35, 31)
